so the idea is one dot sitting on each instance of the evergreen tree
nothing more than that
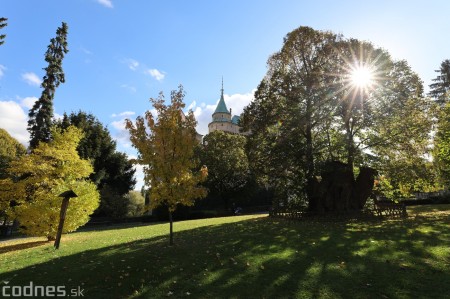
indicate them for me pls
(3, 24)
(439, 90)
(40, 116)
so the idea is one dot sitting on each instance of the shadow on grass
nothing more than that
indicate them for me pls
(21, 246)
(115, 226)
(263, 258)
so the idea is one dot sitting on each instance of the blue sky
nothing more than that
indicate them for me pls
(123, 52)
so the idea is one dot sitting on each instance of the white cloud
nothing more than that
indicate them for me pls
(118, 131)
(125, 113)
(130, 88)
(118, 124)
(203, 113)
(204, 117)
(106, 3)
(120, 134)
(2, 70)
(122, 137)
(237, 102)
(85, 51)
(192, 105)
(158, 75)
(31, 79)
(14, 120)
(139, 175)
(57, 116)
(131, 63)
(28, 102)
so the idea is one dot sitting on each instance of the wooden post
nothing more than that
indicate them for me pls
(171, 228)
(62, 215)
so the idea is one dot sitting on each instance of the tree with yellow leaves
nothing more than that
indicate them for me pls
(36, 181)
(166, 149)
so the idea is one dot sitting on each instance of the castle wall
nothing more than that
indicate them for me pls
(223, 126)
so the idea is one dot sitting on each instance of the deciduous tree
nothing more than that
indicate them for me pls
(10, 149)
(399, 137)
(39, 178)
(441, 151)
(166, 149)
(307, 113)
(41, 114)
(290, 108)
(224, 155)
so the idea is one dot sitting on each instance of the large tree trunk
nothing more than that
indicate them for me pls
(338, 191)
(311, 182)
(363, 186)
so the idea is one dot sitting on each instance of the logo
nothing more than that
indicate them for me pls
(32, 290)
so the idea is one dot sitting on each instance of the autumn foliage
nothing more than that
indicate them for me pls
(36, 181)
(166, 150)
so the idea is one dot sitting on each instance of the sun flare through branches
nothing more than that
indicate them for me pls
(361, 77)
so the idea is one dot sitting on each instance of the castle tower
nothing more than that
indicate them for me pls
(221, 118)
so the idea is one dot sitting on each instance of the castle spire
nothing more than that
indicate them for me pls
(221, 106)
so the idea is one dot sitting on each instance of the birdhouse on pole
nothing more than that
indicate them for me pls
(66, 195)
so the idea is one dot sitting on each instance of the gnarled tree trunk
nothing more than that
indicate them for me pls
(338, 191)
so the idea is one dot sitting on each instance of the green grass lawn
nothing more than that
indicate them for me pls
(245, 257)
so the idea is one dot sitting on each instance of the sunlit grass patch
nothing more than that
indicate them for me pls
(247, 257)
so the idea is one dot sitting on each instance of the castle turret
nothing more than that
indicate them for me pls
(221, 118)
(221, 114)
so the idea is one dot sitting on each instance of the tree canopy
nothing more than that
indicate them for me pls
(111, 168)
(166, 150)
(10, 149)
(37, 179)
(224, 155)
(308, 110)
(442, 145)
(113, 171)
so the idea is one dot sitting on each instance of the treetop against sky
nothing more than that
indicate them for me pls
(121, 53)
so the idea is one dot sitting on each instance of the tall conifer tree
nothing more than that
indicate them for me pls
(441, 87)
(3, 24)
(40, 116)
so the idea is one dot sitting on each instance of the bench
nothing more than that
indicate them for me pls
(389, 208)
(285, 213)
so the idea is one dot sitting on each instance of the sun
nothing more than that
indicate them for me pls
(361, 77)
